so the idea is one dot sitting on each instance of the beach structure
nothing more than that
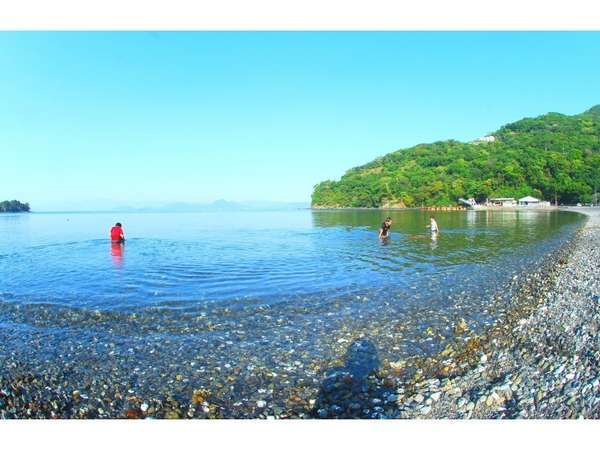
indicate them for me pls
(529, 201)
(503, 201)
(470, 203)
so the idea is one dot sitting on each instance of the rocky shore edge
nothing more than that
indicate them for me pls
(539, 361)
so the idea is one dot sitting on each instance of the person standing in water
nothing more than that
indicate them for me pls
(433, 226)
(116, 233)
(384, 231)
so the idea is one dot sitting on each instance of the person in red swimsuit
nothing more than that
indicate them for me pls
(116, 233)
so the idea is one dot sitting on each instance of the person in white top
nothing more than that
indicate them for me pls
(433, 226)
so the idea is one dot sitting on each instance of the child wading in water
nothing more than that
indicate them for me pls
(433, 226)
(384, 231)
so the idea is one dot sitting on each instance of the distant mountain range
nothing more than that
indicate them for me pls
(218, 205)
(552, 157)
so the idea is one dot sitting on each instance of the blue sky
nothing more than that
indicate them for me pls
(96, 120)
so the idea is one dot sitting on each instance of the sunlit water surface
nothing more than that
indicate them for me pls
(180, 259)
(281, 290)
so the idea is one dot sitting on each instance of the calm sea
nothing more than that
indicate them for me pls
(255, 307)
(176, 260)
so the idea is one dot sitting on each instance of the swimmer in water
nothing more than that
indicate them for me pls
(384, 231)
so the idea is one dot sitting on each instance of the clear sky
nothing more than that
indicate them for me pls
(96, 120)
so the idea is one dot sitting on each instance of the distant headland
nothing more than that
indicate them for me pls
(553, 157)
(13, 206)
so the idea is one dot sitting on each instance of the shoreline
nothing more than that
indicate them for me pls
(539, 361)
(472, 378)
(585, 210)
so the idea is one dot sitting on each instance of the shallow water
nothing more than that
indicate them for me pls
(196, 296)
(176, 259)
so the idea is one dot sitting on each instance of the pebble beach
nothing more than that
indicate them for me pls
(538, 359)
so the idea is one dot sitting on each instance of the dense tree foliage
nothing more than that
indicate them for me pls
(553, 156)
(13, 206)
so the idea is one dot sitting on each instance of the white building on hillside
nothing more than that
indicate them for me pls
(489, 138)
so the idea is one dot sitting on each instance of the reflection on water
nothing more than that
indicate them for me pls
(434, 241)
(116, 250)
(271, 257)
(466, 236)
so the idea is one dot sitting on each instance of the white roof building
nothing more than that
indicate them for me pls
(529, 200)
(489, 138)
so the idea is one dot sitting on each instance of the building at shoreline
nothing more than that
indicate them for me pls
(502, 201)
(529, 201)
(505, 202)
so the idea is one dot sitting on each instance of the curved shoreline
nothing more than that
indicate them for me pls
(535, 359)
(539, 361)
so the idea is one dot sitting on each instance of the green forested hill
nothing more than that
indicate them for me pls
(546, 156)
